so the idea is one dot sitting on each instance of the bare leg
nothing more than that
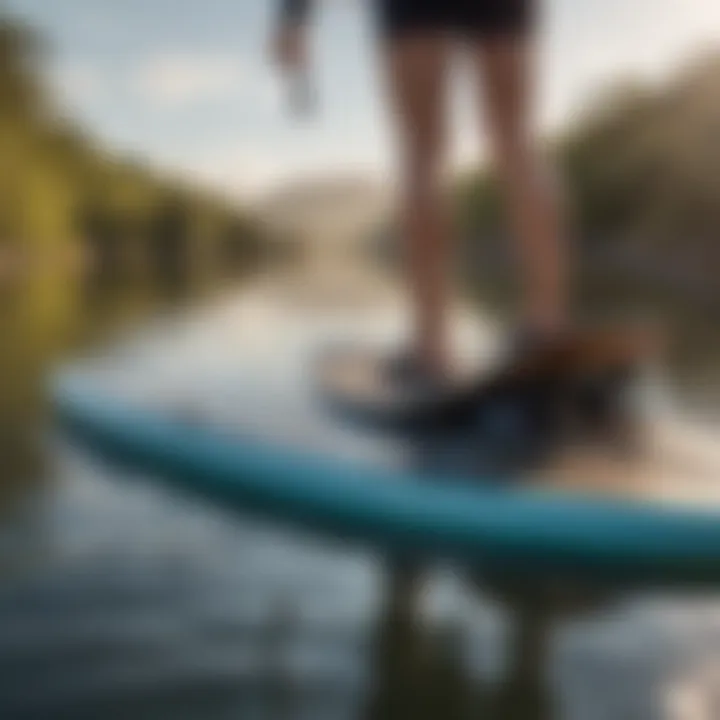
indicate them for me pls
(417, 68)
(505, 67)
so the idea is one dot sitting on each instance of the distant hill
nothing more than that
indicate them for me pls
(332, 210)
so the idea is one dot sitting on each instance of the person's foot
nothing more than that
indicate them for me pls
(405, 372)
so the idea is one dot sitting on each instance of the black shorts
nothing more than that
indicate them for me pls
(463, 17)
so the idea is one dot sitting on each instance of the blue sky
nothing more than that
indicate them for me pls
(186, 84)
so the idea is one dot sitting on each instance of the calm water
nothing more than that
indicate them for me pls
(122, 599)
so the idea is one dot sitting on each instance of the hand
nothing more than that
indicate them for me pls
(290, 51)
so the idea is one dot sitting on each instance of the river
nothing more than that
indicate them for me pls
(126, 600)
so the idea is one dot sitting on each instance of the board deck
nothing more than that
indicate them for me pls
(242, 396)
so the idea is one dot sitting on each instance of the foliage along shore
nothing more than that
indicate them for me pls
(68, 203)
(641, 166)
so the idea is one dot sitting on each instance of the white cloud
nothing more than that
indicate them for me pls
(185, 78)
(588, 45)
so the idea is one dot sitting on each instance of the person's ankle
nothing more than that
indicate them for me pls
(547, 326)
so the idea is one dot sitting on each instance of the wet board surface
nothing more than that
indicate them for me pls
(238, 422)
